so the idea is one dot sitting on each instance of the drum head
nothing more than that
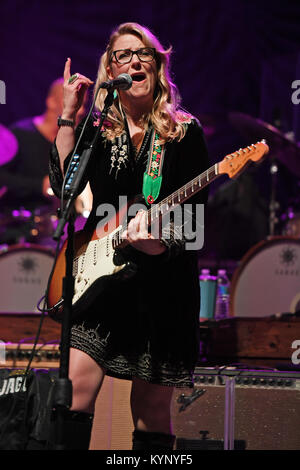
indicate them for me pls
(24, 273)
(268, 280)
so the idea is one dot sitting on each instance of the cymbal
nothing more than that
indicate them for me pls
(211, 123)
(8, 145)
(282, 148)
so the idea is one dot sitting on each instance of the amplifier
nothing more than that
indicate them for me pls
(246, 338)
(238, 409)
(23, 327)
(227, 408)
(18, 355)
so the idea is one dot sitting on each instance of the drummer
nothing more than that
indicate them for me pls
(24, 179)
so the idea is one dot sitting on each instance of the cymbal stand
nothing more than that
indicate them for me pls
(274, 205)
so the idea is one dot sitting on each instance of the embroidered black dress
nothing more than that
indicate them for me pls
(145, 326)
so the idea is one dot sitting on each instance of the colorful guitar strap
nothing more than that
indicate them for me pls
(153, 174)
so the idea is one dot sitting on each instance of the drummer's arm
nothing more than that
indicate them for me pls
(16, 182)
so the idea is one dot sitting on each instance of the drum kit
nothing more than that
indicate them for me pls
(266, 275)
(26, 245)
(267, 280)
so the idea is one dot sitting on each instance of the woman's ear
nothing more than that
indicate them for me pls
(109, 73)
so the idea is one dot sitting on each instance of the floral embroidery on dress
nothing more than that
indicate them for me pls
(142, 365)
(119, 154)
(105, 124)
(185, 118)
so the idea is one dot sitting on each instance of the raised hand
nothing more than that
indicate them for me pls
(75, 87)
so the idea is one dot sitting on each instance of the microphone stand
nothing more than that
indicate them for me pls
(63, 387)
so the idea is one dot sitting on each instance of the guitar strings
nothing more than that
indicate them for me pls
(155, 211)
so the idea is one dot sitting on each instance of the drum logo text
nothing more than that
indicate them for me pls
(288, 258)
(27, 265)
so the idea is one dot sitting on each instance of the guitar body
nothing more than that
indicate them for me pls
(96, 262)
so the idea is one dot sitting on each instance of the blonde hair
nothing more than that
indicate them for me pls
(167, 117)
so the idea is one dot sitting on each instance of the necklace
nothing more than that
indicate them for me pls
(144, 144)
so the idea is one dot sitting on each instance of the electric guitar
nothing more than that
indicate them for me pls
(96, 260)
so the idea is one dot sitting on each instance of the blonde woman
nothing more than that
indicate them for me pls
(144, 328)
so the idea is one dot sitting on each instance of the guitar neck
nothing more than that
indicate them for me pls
(232, 165)
(183, 194)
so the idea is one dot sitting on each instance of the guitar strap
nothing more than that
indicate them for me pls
(153, 175)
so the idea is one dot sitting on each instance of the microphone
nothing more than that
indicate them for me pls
(123, 82)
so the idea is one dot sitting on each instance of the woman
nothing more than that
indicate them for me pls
(144, 328)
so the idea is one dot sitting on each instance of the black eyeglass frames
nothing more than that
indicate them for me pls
(124, 56)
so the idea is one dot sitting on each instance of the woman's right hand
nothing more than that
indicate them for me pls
(74, 92)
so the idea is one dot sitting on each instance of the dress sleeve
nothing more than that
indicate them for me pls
(55, 174)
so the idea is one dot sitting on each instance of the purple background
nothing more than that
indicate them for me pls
(228, 56)
(219, 46)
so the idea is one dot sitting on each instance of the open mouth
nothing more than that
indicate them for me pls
(138, 77)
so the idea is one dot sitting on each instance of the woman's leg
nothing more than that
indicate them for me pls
(151, 413)
(75, 430)
(86, 377)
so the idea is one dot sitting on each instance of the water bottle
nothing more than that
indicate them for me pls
(223, 295)
(208, 295)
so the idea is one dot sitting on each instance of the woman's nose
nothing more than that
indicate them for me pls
(135, 61)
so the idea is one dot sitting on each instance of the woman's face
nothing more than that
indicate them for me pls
(144, 74)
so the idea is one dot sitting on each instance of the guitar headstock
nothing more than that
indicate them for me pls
(234, 163)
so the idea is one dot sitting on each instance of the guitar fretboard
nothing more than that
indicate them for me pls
(182, 194)
(169, 203)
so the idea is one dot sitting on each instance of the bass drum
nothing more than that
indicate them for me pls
(268, 280)
(24, 273)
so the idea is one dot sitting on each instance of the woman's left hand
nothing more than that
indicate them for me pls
(138, 236)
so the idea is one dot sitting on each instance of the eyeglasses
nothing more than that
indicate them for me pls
(124, 56)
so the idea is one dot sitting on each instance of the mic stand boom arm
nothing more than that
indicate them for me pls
(63, 386)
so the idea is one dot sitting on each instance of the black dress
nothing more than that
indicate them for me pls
(145, 326)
